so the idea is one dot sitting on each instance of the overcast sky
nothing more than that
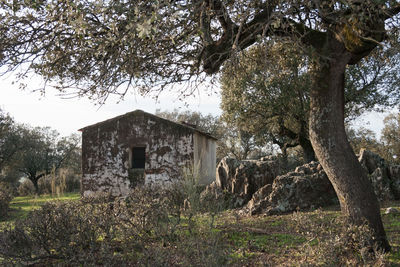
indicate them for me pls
(69, 115)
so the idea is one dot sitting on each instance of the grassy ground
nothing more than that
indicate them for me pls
(20, 206)
(299, 239)
(278, 241)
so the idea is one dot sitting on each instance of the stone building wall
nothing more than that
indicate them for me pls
(107, 152)
(205, 157)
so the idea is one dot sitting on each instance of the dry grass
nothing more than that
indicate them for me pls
(315, 238)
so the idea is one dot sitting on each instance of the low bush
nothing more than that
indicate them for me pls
(26, 188)
(57, 183)
(142, 229)
(65, 180)
(335, 242)
(5, 198)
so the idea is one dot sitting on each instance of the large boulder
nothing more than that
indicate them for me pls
(385, 178)
(308, 187)
(244, 178)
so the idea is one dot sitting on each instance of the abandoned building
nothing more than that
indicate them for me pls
(141, 148)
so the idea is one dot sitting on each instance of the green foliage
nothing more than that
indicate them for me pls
(266, 92)
(387, 147)
(10, 142)
(5, 198)
(45, 152)
(364, 138)
(370, 83)
(391, 137)
(207, 123)
(99, 47)
(34, 152)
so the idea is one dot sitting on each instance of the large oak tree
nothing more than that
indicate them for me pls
(97, 47)
(266, 90)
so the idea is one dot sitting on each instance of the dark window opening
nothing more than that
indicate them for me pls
(138, 157)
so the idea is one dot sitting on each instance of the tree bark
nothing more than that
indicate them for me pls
(35, 184)
(328, 137)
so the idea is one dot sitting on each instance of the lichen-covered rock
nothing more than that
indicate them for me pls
(306, 187)
(244, 178)
(225, 170)
(259, 201)
(370, 161)
(385, 178)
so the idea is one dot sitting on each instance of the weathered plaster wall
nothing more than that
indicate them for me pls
(205, 157)
(106, 152)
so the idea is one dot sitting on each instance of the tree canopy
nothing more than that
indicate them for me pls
(391, 137)
(10, 140)
(103, 46)
(267, 91)
(44, 151)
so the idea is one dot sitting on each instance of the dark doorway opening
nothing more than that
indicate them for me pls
(138, 157)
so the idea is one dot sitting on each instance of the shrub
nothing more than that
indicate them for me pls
(141, 229)
(330, 245)
(66, 232)
(56, 183)
(26, 188)
(5, 198)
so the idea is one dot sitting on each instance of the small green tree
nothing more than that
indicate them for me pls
(44, 152)
(10, 140)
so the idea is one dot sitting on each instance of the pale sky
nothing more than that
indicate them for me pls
(69, 115)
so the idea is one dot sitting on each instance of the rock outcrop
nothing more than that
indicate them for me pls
(385, 178)
(260, 185)
(309, 187)
(306, 187)
(244, 178)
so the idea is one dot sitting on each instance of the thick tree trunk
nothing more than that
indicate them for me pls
(327, 133)
(35, 184)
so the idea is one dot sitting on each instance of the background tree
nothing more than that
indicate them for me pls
(266, 92)
(364, 138)
(391, 137)
(207, 123)
(10, 140)
(98, 46)
(266, 89)
(44, 152)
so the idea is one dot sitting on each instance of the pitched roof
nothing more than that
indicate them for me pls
(141, 112)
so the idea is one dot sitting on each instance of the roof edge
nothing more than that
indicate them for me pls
(150, 115)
